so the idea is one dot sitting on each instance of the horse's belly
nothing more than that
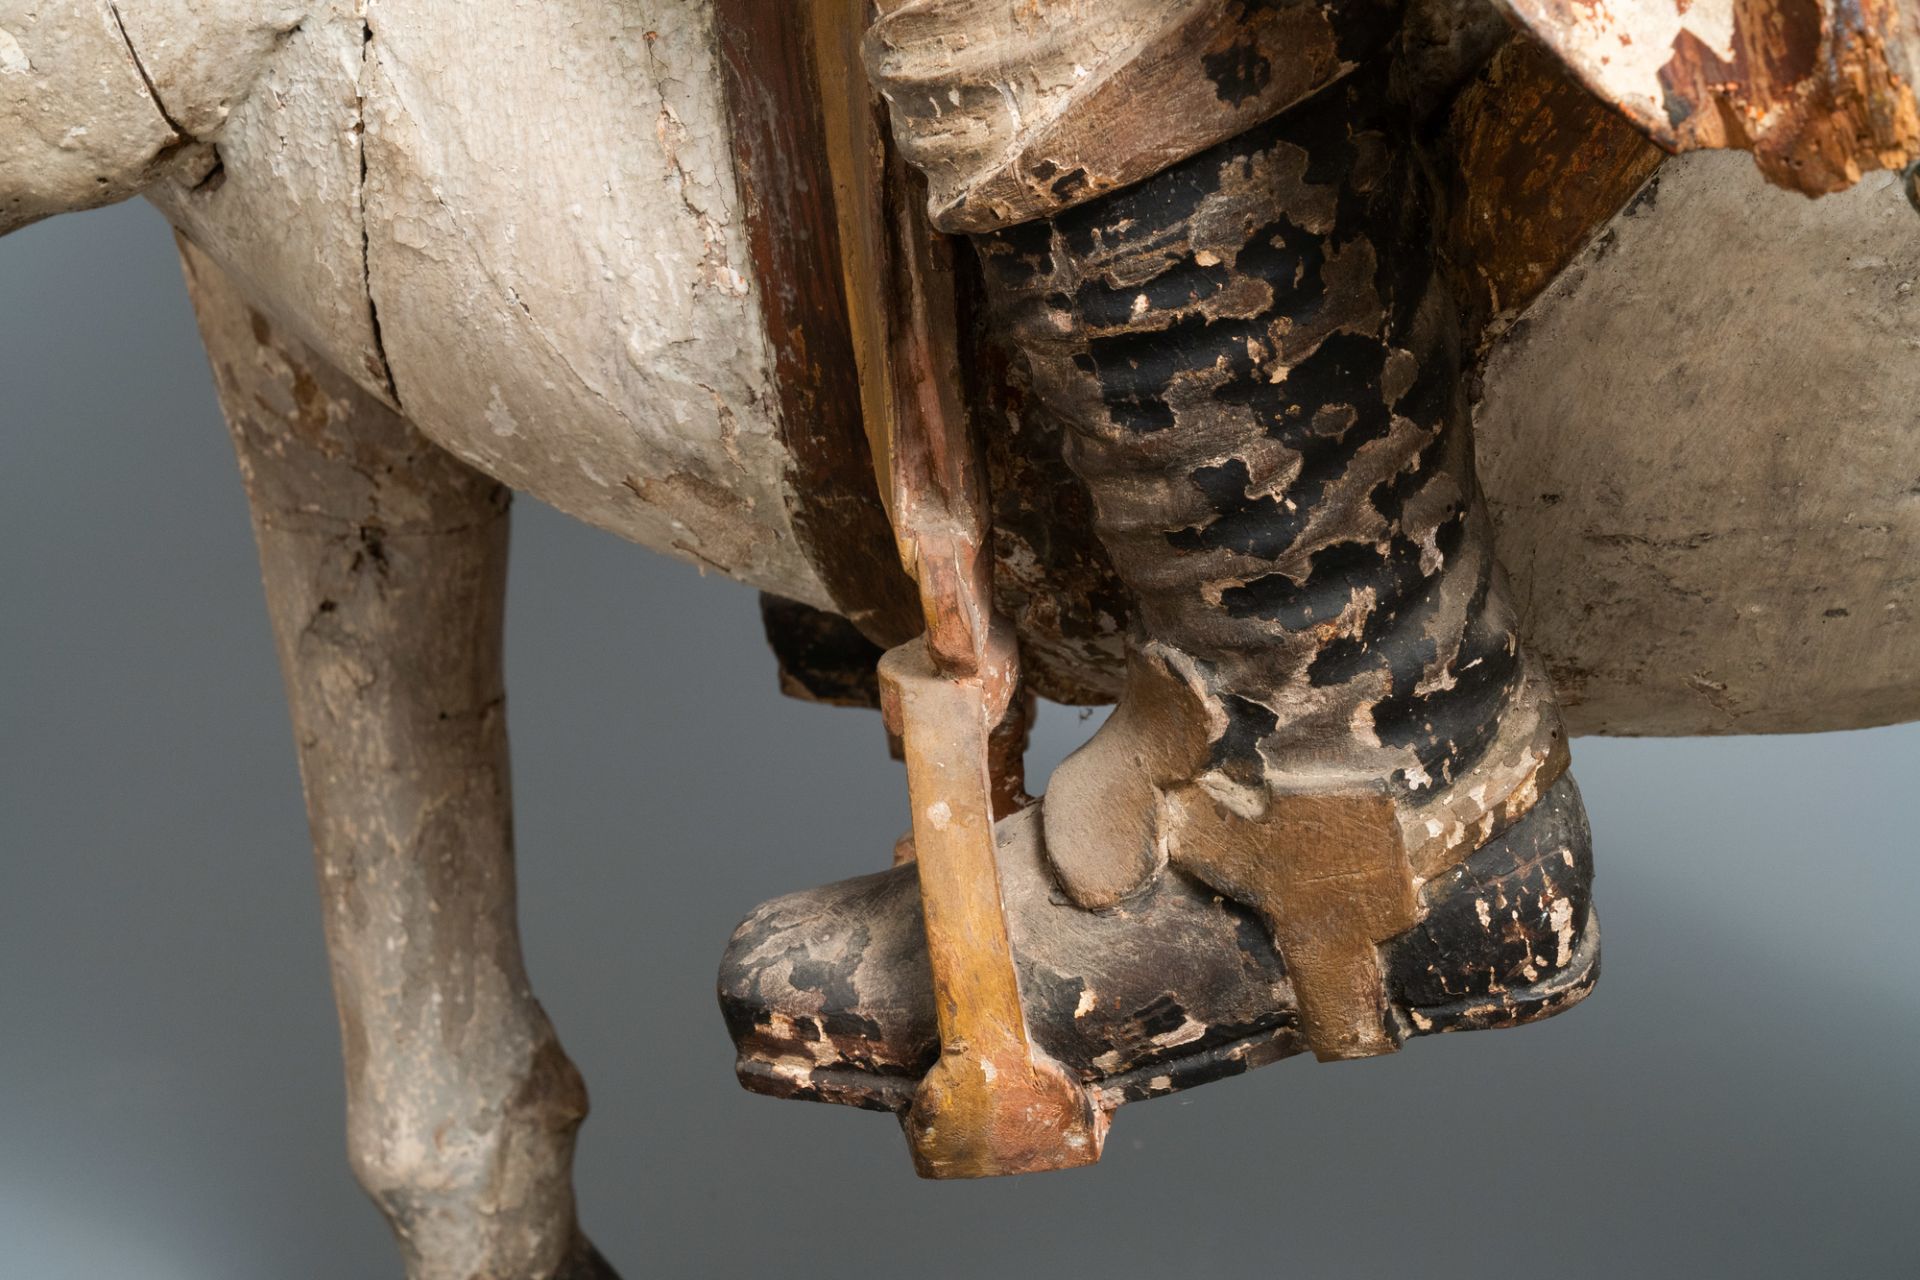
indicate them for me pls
(1702, 449)
(553, 246)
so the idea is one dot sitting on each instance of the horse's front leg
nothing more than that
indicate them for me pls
(385, 566)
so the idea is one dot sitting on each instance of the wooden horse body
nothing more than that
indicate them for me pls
(562, 280)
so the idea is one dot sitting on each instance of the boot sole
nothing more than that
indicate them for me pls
(796, 1077)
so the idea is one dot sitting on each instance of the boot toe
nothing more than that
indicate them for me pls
(829, 995)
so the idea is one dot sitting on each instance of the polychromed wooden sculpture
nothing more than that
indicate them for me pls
(1151, 341)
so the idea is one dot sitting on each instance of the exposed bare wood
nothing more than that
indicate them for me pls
(1537, 166)
(285, 215)
(853, 139)
(829, 992)
(1820, 91)
(940, 514)
(1207, 405)
(779, 142)
(992, 1103)
(902, 298)
(1014, 110)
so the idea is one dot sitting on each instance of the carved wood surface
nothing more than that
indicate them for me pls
(560, 267)
(828, 992)
(1702, 451)
(1015, 110)
(385, 567)
(1699, 446)
(277, 191)
(774, 97)
(282, 207)
(79, 125)
(1820, 91)
(1535, 167)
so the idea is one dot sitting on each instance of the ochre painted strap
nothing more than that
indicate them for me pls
(993, 1103)
(1329, 874)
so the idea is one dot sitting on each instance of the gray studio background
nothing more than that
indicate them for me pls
(1740, 1097)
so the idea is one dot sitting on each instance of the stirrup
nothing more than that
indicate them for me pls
(993, 1103)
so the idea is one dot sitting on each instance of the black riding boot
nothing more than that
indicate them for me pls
(1329, 811)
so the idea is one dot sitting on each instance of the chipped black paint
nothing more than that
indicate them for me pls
(1256, 368)
(1176, 988)
(1239, 72)
(1509, 917)
(1259, 367)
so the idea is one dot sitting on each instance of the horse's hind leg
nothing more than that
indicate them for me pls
(385, 565)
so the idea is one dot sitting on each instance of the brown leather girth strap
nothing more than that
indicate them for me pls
(993, 1103)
